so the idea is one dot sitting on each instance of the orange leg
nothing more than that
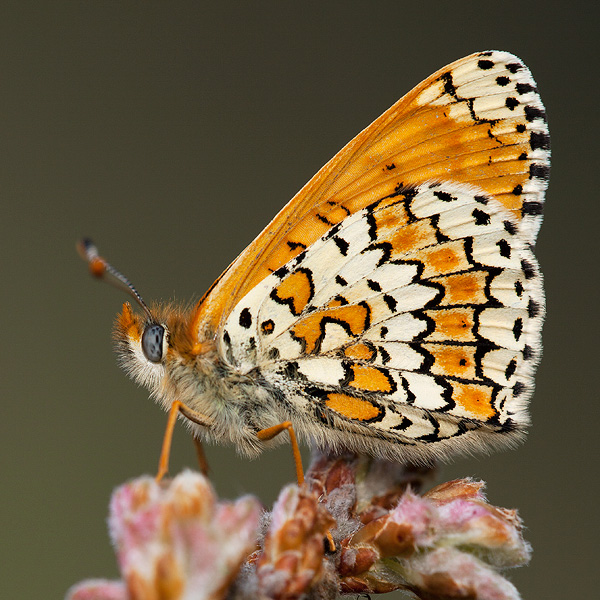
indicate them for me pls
(201, 456)
(271, 432)
(176, 408)
(330, 541)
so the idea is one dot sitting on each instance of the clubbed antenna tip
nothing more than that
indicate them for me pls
(99, 268)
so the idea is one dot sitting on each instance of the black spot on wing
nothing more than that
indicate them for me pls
(533, 308)
(518, 328)
(518, 288)
(342, 244)
(324, 219)
(390, 301)
(444, 196)
(524, 88)
(532, 208)
(539, 141)
(281, 272)
(331, 232)
(504, 248)
(532, 113)
(539, 171)
(449, 87)
(510, 369)
(267, 326)
(518, 389)
(481, 217)
(245, 318)
(296, 245)
(528, 269)
(385, 357)
(484, 64)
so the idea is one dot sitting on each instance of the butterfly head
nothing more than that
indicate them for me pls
(150, 344)
(160, 350)
(142, 343)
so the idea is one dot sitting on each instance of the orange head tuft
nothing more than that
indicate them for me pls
(128, 323)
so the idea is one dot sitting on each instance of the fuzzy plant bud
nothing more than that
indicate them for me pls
(176, 541)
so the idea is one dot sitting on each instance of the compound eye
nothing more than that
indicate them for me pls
(152, 342)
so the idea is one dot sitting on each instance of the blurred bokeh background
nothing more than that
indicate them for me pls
(171, 133)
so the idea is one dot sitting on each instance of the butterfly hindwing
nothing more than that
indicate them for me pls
(415, 319)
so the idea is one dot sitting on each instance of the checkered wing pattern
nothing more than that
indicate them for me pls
(397, 297)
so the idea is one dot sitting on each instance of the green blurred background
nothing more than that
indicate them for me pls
(171, 133)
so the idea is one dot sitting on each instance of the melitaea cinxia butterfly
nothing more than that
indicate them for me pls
(394, 306)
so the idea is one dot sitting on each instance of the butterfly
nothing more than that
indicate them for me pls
(393, 307)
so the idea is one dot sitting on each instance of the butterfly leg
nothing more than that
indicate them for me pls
(271, 432)
(176, 408)
(202, 462)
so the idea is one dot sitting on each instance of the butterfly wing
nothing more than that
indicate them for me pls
(414, 320)
(478, 120)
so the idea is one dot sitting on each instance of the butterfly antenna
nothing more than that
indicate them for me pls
(99, 268)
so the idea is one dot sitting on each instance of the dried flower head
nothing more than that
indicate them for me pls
(176, 541)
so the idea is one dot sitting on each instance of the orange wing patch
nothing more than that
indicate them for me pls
(353, 408)
(456, 361)
(371, 379)
(390, 215)
(463, 288)
(456, 324)
(296, 290)
(412, 237)
(353, 318)
(447, 257)
(475, 399)
(360, 351)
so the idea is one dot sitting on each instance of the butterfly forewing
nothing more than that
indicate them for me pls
(478, 121)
